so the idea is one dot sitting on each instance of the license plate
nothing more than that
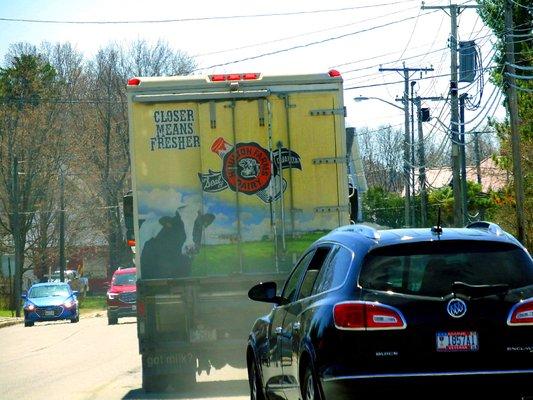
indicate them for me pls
(203, 335)
(457, 341)
(49, 313)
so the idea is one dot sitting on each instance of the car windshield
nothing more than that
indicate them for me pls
(124, 279)
(430, 269)
(48, 291)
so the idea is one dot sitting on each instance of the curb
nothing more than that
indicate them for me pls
(9, 321)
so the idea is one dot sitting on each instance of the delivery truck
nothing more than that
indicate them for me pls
(233, 176)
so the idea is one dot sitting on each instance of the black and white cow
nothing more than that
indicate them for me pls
(168, 244)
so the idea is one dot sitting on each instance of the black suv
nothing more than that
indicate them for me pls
(406, 312)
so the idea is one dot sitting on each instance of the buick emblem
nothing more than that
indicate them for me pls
(456, 308)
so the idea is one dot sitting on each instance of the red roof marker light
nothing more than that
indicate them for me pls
(334, 73)
(234, 77)
(134, 82)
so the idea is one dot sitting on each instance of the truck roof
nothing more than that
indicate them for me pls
(222, 81)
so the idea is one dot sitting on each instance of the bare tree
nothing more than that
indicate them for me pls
(104, 145)
(28, 147)
(382, 157)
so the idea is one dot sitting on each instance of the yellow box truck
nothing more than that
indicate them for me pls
(233, 176)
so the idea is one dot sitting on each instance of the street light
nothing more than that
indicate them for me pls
(361, 98)
(406, 150)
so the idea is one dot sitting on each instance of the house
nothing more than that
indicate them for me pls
(492, 176)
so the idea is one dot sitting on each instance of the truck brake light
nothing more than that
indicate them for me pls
(521, 314)
(141, 312)
(131, 242)
(234, 77)
(366, 316)
(134, 82)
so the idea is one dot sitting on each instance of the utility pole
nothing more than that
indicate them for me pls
(477, 157)
(462, 152)
(17, 281)
(513, 117)
(407, 137)
(454, 11)
(478, 167)
(413, 208)
(422, 160)
(61, 225)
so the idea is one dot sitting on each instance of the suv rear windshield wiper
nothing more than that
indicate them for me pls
(479, 290)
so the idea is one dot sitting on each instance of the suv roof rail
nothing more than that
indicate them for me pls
(362, 229)
(488, 226)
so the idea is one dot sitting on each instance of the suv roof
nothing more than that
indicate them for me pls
(122, 271)
(366, 237)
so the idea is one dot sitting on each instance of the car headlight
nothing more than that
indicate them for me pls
(112, 296)
(69, 303)
(29, 307)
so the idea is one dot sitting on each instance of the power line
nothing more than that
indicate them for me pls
(304, 34)
(301, 46)
(196, 19)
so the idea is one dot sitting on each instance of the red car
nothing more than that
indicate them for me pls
(122, 295)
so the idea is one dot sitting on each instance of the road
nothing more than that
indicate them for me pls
(91, 360)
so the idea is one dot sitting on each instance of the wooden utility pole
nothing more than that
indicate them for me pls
(407, 137)
(61, 225)
(422, 160)
(512, 102)
(15, 230)
(454, 11)
(462, 152)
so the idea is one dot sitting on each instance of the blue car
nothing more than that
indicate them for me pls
(50, 301)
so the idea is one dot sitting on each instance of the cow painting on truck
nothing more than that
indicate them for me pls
(170, 242)
(233, 176)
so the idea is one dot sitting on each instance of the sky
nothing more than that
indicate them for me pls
(298, 36)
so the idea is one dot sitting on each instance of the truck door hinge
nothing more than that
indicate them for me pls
(213, 114)
(329, 160)
(261, 111)
(329, 209)
(337, 111)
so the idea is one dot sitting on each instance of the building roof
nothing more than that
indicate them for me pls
(492, 176)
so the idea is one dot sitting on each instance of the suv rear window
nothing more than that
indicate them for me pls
(430, 268)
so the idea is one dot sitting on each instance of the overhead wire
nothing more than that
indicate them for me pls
(309, 44)
(305, 34)
(197, 19)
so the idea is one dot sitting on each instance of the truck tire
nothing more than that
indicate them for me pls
(112, 320)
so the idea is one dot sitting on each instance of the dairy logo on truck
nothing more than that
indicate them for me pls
(174, 129)
(247, 168)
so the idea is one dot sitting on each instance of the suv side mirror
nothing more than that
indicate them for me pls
(265, 292)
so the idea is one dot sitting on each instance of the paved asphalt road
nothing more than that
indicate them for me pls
(91, 360)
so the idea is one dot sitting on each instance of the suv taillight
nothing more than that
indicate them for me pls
(521, 313)
(366, 316)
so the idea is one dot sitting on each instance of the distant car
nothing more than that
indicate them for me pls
(122, 295)
(50, 301)
(409, 311)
